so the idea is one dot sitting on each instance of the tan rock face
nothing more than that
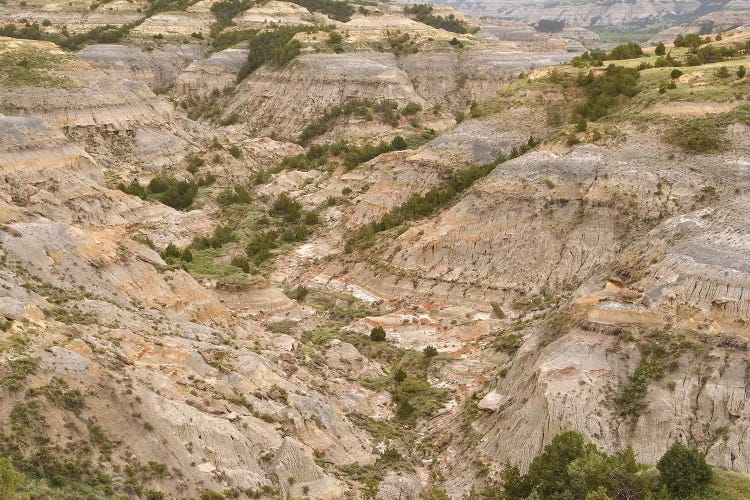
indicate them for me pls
(215, 73)
(590, 13)
(279, 13)
(157, 68)
(283, 101)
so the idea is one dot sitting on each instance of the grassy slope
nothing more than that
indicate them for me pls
(730, 485)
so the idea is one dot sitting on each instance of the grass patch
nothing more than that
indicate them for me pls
(32, 67)
(204, 264)
(708, 134)
(729, 485)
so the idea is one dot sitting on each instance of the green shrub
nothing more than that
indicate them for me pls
(691, 40)
(166, 189)
(423, 14)
(225, 11)
(693, 137)
(629, 50)
(311, 218)
(170, 251)
(195, 161)
(603, 90)
(709, 55)
(569, 468)
(275, 47)
(588, 59)
(509, 343)
(644, 66)
(335, 9)
(411, 108)
(401, 43)
(220, 236)
(386, 109)
(377, 334)
(187, 255)
(741, 72)
(10, 480)
(723, 72)
(236, 195)
(676, 74)
(241, 262)
(684, 470)
(430, 351)
(286, 207)
(298, 293)
(661, 49)
(335, 41)
(134, 188)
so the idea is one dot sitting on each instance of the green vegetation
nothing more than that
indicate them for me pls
(64, 39)
(386, 110)
(10, 480)
(225, 11)
(335, 41)
(100, 34)
(692, 40)
(293, 227)
(31, 67)
(684, 470)
(276, 47)
(377, 334)
(570, 468)
(423, 14)
(708, 134)
(727, 485)
(400, 43)
(221, 235)
(71, 316)
(509, 343)
(237, 195)
(165, 189)
(318, 155)
(625, 51)
(709, 55)
(658, 350)
(350, 155)
(414, 397)
(335, 9)
(424, 205)
(602, 90)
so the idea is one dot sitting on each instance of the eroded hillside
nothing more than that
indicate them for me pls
(213, 212)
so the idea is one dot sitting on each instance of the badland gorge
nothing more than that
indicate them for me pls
(358, 249)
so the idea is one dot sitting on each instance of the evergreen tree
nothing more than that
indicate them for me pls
(684, 470)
